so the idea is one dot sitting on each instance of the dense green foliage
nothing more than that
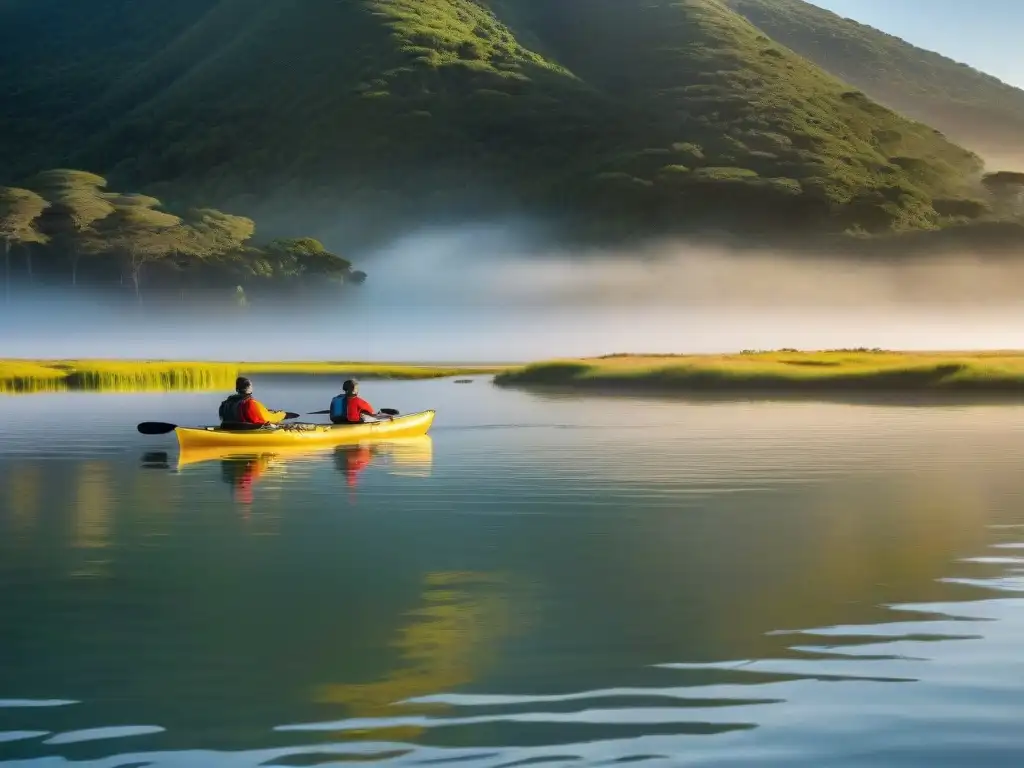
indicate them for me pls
(631, 117)
(975, 109)
(67, 226)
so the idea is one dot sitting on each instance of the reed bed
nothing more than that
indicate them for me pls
(783, 371)
(27, 376)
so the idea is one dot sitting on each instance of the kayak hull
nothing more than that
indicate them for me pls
(405, 455)
(304, 435)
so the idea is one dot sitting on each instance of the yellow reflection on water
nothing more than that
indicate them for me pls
(410, 457)
(23, 483)
(407, 454)
(898, 534)
(154, 499)
(91, 525)
(445, 643)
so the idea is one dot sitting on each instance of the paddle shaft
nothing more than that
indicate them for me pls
(385, 411)
(163, 427)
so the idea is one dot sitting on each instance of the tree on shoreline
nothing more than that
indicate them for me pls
(77, 203)
(141, 234)
(74, 216)
(19, 212)
(304, 256)
(1007, 190)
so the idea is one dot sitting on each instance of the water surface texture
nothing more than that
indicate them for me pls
(545, 580)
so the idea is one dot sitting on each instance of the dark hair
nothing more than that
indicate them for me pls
(349, 386)
(242, 385)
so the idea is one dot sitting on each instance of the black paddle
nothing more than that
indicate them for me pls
(163, 428)
(385, 411)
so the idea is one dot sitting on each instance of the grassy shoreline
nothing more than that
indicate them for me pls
(774, 373)
(27, 376)
(787, 372)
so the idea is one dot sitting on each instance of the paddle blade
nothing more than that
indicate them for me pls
(156, 427)
(290, 415)
(317, 413)
(389, 411)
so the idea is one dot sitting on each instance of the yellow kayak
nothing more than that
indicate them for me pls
(305, 435)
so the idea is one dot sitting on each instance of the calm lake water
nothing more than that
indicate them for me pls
(546, 580)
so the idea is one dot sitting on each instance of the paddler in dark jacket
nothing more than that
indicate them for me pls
(243, 408)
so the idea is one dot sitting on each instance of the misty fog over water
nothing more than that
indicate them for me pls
(488, 294)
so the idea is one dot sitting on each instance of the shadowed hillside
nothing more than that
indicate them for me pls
(974, 109)
(618, 117)
(57, 57)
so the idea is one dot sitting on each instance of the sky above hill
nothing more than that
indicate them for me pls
(983, 34)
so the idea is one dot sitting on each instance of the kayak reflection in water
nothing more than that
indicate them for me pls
(242, 473)
(350, 408)
(243, 408)
(351, 460)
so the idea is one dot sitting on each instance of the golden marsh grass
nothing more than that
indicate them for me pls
(23, 376)
(783, 371)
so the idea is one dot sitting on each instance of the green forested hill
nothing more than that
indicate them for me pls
(973, 108)
(58, 57)
(626, 115)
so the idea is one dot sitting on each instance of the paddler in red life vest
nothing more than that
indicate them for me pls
(243, 408)
(349, 407)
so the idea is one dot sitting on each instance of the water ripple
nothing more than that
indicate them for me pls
(22, 735)
(94, 734)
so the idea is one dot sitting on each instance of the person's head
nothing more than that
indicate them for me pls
(350, 387)
(243, 386)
